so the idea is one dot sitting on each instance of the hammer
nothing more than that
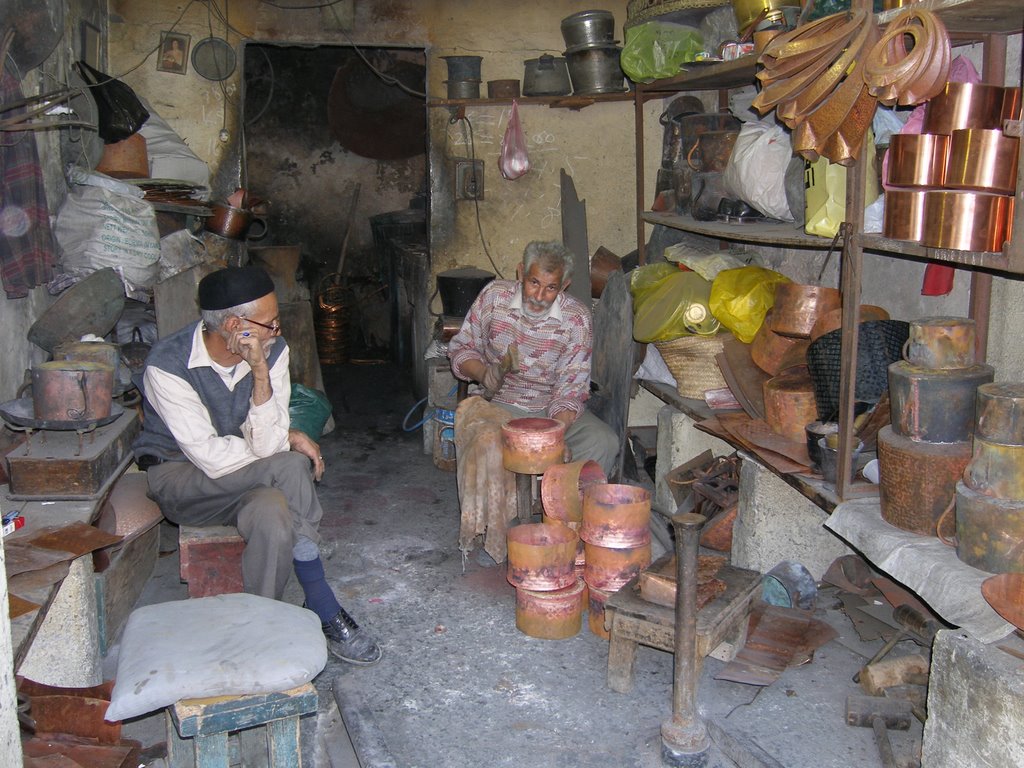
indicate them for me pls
(912, 624)
(879, 714)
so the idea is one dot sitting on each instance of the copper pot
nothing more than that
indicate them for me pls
(531, 445)
(985, 160)
(797, 307)
(904, 214)
(562, 488)
(541, 556)
(773, 353)
(616, 515)
(967, 221)
(610, 569)
(553, 615)
(65, 390)
(789, 404)
(234, 223)
(917, 159)
(964, 105)
(833, 319)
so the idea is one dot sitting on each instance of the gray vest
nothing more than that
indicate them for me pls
(228, 409)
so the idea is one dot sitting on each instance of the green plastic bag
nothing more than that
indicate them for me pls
(657, 49)
(740, 298)
(670, 307)
(308, 410)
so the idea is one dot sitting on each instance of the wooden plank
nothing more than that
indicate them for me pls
(221, 714)
(120, 585)
(768, 232)
(612, 361)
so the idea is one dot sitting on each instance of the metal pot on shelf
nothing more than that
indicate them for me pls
(546, 75)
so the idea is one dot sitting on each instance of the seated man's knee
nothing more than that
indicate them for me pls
(265, 513)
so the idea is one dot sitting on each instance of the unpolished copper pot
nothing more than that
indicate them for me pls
(773, 353)
(531, 445)
(541, 556)
(610, 569)
(917, 160)
(985, 160)
(797, 307)
(553, 615)
(616, 515)
(562, 487)
(967, 221)
(964, 105)
(66, 390)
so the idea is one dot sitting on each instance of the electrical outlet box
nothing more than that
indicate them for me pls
(469, 179)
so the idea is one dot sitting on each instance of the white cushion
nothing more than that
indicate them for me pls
(214, 646)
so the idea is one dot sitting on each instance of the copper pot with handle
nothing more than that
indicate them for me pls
(72, 390)
(711, 151)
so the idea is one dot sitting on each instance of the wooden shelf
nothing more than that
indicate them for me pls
(573, 101)
(767, 233)
(981, 17)
(1003, 262)
(706, 77)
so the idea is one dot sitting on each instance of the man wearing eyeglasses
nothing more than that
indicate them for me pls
(218, 449)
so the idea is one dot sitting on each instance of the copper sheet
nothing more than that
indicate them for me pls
(658, 583)
(964, 105)
(760, 435)
(1000, 413)
(22, 557)
(76, 538)
(770, 350)
(727, 427)
(1005, 593)
(1011, 104)
(967, 221)
(917, 160)
(19, 606)
(562, 487)
(985, 160)
(798, 306)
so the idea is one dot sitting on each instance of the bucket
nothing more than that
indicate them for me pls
(790, 585)
(553, 615)
(459, 288)
(463, 67)
(596, 70)
(444, 440)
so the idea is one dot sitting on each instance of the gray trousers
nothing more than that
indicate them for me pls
(271, 502)
(588, 438)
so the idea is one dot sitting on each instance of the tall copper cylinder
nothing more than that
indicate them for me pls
(541, 556)
(917, 479)
(616, 516)
(562, 487)
(989, 531)
(917, 160)
(935, 406)
(985, 160)
(789, 404)
(68, 390)
(941, 343)
(996, 469)
(797, 307)
(904, 214)
(967, 221)
(1000, 411)
(609, 569)
(553, 615)
(965, 105)
(531, 445)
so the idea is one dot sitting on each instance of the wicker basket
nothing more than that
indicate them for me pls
(691, 360)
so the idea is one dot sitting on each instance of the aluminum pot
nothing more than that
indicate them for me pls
(588, 27)
(546, 76)
(64, 390)
(463, 89)
(596, 70)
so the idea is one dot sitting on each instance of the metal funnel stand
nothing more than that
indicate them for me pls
(684, 737)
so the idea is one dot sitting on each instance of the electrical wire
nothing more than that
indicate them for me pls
(476, 200)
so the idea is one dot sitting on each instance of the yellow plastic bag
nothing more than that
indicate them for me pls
(674, 306)
(825, 182)
(740, 298)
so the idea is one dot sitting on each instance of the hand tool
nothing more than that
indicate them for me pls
(879, 714)
(913, 625)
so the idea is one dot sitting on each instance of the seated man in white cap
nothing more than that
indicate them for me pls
(217, 447)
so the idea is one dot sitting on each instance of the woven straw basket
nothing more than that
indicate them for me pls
(691, 360)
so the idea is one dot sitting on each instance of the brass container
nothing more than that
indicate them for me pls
(985, 160)
(996, 469)
(797, 307)
(748, 10)
(904, 214)
(789, 404)
(553, 615)
(72, 391)
(989, 531)
(609, 569)
(941, 343)
(531, 445)
(917, 479)
(562, 487)
(935, 406)
(965, 105)
(917, 160)
(616, 516)
(833, 319)
(595, 612)
(1000, 413)
(773, 353)
(967, 221)
(541, 556)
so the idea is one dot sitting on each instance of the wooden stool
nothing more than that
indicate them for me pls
(211, 559)
(267, 725)
(634, 621)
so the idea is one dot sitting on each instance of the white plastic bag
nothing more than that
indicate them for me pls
(756, 172)
(97, 227)
(514, 161)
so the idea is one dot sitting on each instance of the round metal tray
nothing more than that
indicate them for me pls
(21, 413)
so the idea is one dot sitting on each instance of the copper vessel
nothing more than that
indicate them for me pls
(595, 612)
(940, 343)
(1000, 413)
(100, 352)
(550, 615)
(833, 319)
(935, 406)
(541, 556)
(789, 404)
(996, 469)
(773, 353)
(917, 159)
(985, 160)
(965, 105)
(562, 487)
(531, 445)
(616, 515)
(609, 569)
(967, 221)
(904, 214)
(69, 391)
(1005, 593)
(797, 307)
(989, 531)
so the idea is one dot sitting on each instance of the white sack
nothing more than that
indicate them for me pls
(756, 172)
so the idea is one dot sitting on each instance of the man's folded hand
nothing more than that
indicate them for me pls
(492, 379)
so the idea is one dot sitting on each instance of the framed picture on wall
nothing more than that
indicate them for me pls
(90, 45)
(173, 53)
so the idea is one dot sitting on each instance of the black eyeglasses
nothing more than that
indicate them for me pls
(275, 329)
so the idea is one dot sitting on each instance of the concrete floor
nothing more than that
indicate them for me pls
(460, 686)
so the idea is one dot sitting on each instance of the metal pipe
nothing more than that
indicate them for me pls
(684, 737)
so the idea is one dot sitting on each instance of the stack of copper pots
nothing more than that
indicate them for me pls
(561, 493)
(990, 497)
(617, 543)
(923, 452)
(953, 185)
(542, 568)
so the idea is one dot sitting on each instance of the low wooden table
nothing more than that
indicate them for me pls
(633, 621)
